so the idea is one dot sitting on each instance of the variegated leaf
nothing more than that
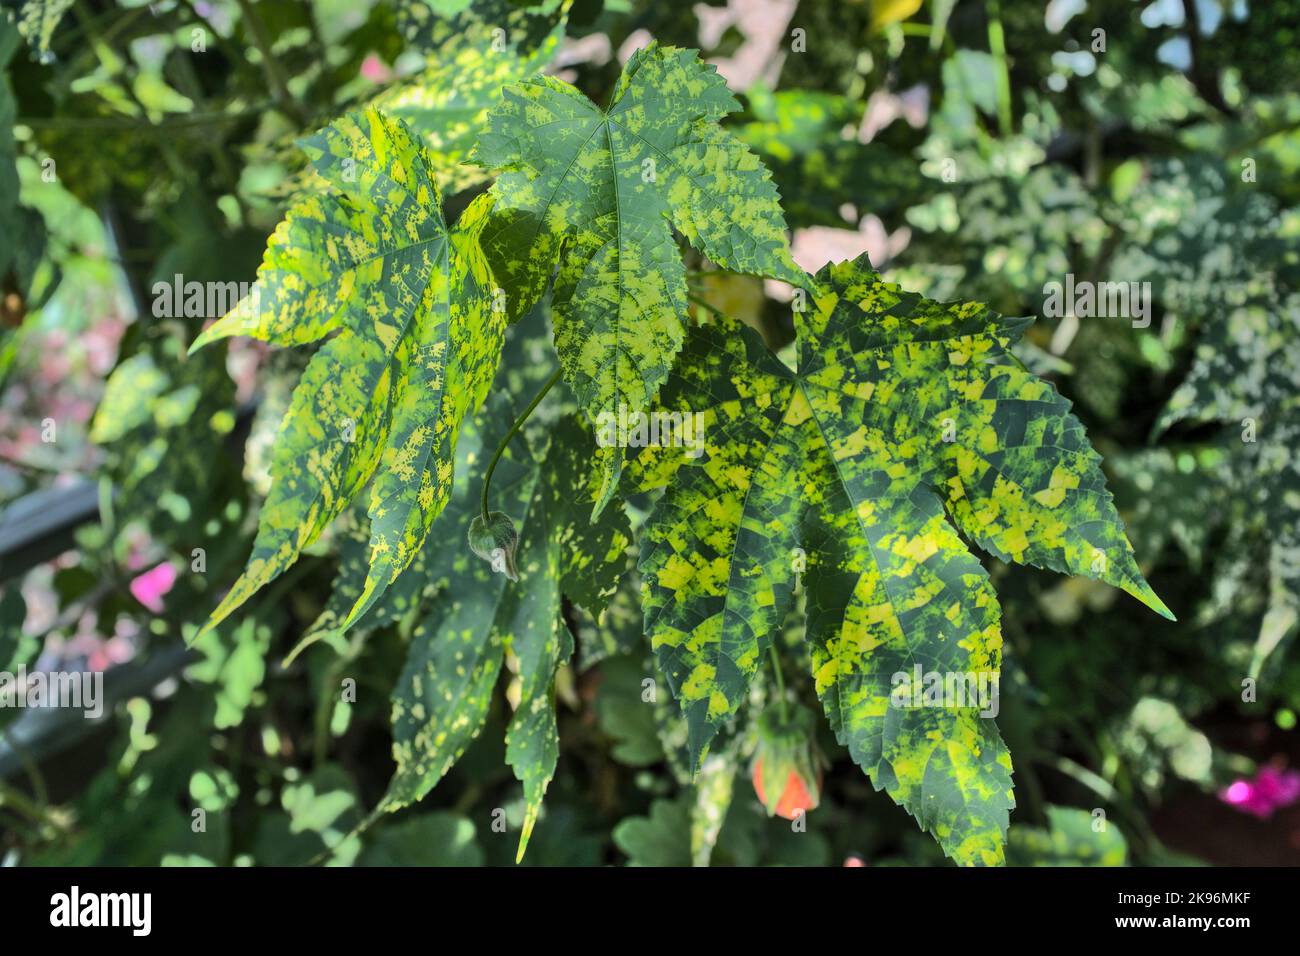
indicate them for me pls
(525, 31)
(472, 57)
(903, 425)
(457, 650)
(597, 192)
(1247, 375)
(414, 344)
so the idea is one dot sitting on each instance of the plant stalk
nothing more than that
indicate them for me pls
(274, 77)
(514, 430)
(780, 683)
(998, 47)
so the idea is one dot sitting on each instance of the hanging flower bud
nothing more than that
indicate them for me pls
(787, 768)
(495, 541)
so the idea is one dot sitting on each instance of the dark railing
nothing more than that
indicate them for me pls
(41, 525)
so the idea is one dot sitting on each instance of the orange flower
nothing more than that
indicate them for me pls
(796, 796)
(787, 769)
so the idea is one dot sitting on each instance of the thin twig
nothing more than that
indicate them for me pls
(514, 430)
(274, 77)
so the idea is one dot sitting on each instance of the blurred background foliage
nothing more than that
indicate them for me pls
(974, 148)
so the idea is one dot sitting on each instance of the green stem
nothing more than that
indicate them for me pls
(780, 682)
(329, 699)
(514, 430)
(274, 78)
(15, 798)
(704, 305)
(39, 791)
(220, 161)
(998, 47)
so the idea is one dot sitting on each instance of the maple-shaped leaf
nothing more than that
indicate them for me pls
(414, 343)
(598, 192)
(852, 478)
(457, 650)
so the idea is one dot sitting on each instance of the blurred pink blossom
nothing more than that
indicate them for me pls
(375, 70)
(636, 40)
(884, 107)
(763, 24)
(100, 653)
(149, 588)
(115, 650)
(1271, 790)
(814, 246)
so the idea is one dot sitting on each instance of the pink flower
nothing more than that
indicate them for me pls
(1271, 790)
(375, 70)
(149, 588)
(115, 650)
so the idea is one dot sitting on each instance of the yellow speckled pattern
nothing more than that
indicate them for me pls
(846, 463)
(414, 343)
(597, 193)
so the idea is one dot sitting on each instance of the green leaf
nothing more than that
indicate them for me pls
(499, 26)
(617, 631)
(660, 839)
(1206, 244)
(1216, 254)
(447, 103)
(1247, 365)
(37, 22)
(321, 815)
(622, 713)
(1167, 493)
(17, 649)
(799, 135)
(597, 193)
(457, 650)
(415, 344)
(843, 470)
(1071, 838)
(235, 667)
(1247, 374)
(525, 359)
(435, 839)
(162, 424)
